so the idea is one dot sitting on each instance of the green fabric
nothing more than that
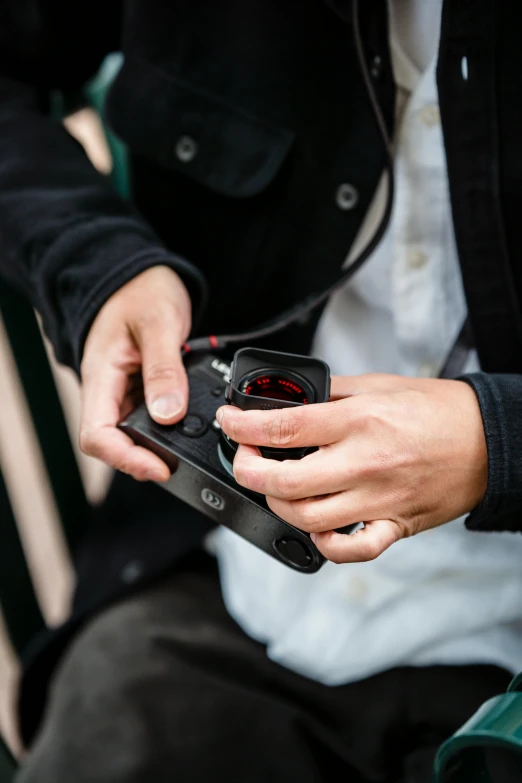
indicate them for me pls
(488, 748)
(7, 765)
(94, 94)
(96, 91)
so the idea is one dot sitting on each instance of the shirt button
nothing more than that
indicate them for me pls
(357, 588)
(131, 572)
(417, 259)
(186, 149)
(428, 370)
(346, 196)
(430, 115)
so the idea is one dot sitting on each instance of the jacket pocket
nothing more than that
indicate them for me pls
(194, 132)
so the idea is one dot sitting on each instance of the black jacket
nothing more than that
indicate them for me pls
(271, 93)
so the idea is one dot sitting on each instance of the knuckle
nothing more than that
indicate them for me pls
(378, 465)
(148, 318)
(282, 430)
(126, 466)
(164, 315)
(239, 472)
(88, 441)
(140, 474)
(373, 412)
(332, 553)
(123, 466)
(366, 419)
(310, 519)
(233, 428)
(368, 470)
(372, 550)
(159, 371)
(385, 460)
(245, 476)
(286, 481)
(90, 364)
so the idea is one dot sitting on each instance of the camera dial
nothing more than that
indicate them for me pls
(268, 380)
(277, 385)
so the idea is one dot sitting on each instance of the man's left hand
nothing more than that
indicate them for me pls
(400, 454)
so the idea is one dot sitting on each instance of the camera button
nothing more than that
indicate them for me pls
(192, 426)
(293, 551)
(186, 149)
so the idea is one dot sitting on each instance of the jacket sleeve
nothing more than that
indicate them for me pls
(500, 401)
(67, 240)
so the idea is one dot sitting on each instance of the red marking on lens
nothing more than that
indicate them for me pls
(276, 388)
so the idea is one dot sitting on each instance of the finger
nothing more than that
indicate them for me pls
(164, 378)
(366, 544)
(291, 479)
(103, 392)
(308, 425)
(319, 514)
(343, 386)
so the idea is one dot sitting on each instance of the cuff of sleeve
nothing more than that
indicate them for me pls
(105, 258)
(500, 402)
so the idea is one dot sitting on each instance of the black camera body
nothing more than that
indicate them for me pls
(200, 456)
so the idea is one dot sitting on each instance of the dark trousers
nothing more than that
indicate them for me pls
(165, 687)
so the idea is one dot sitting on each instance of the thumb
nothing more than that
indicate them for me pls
(164, 378)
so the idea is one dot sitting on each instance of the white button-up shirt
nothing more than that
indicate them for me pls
(447, 596)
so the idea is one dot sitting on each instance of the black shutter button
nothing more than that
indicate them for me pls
(192, 426)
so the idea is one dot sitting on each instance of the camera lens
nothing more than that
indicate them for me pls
(276, 385)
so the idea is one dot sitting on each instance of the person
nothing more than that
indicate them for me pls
(260, 136)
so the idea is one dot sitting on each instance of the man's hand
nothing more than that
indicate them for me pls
(400, 454)
(140, 328)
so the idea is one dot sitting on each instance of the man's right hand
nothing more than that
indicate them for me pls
(140, 328)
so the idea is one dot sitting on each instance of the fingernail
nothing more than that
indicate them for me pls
(166, 407)
(313, 536)
(219, 415)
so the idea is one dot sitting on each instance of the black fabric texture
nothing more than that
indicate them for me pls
(500, 401)
(67, 240)
(470, 124)
(165, 686)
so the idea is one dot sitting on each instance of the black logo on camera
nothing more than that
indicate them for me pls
(212, 499)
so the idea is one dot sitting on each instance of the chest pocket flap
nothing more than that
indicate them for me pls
(195, 133)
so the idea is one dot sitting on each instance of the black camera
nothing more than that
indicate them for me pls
(200, 456)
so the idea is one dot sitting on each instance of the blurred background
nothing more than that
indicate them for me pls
(24, 473)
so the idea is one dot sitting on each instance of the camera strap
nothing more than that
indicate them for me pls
(456, 359)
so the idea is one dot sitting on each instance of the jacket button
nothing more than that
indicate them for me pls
(131, 572)
(186, 149)
(430, 115)
(376, 66)
(346, 196)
